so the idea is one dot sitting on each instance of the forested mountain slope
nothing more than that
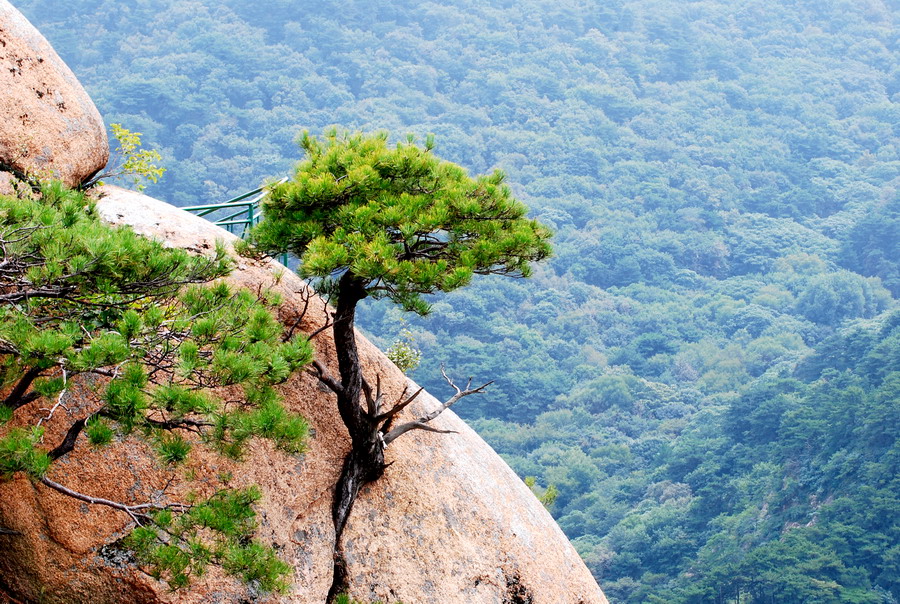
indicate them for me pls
(707, 369)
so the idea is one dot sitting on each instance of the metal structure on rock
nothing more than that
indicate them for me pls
(247, 214)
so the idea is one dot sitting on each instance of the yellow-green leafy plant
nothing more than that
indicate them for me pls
(130, 162)
(546, 496)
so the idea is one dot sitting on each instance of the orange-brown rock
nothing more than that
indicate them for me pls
(48, 124)
(448, 523)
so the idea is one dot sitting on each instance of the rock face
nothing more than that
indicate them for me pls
(48, 124)
(449, 521)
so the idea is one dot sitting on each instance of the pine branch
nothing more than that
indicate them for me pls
(325, 377)
(17, 397)
(182, 423)
(68, 443)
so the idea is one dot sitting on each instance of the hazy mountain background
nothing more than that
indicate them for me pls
(709, 368)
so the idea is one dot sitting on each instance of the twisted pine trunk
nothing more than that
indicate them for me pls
(365, 461)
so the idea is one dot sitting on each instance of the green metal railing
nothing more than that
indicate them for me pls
(237, 215)
(248, 212)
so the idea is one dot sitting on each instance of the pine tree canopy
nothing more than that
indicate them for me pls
(57, 249)
(401, 220)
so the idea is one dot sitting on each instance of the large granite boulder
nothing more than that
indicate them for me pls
(448, 523)
(48, 124)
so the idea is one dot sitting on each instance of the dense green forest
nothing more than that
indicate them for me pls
(708, 369)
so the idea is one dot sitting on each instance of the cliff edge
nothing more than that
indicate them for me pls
(449, 521)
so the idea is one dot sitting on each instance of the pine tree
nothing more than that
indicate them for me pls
(367, 219)
(80, 297)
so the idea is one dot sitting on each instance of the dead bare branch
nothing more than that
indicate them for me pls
(306, 296)
(420, 423)
(399, 406)
(136, 512)
(328, 323)
(416, 425)
(373, 403)
(59, 401)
